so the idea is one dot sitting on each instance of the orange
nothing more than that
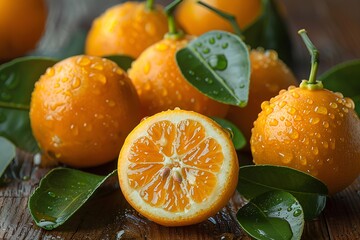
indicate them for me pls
(178, 168)
(161, 86)
(196, 19)
(22, 24)
(82, 109)
(268, 76)
(127, 29)
(314, 131)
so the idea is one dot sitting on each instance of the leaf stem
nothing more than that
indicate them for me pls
(314, 56)
(230, 18)
(173, 31)
(150, 5)
(14, 106)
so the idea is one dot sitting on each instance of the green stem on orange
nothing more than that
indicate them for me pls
(150, 5)
(311, 83)
(14, 106)
(173, 31)
(230, 18)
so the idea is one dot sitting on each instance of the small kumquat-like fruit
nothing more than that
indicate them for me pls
(127, 29)
(197, 20)
(311, 129)
(178, 168)
(82, 109)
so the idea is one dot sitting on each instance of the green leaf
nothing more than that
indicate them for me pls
(60, 194)
(272, 215)
(122, 61)
(17, 79)
(8, 153)
(237, 137)
(217, 64)
(310, 192)
(270, 32)
(344, 78)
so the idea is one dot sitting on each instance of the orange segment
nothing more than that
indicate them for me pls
(178, 168)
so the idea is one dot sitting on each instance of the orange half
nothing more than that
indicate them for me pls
(178, 168)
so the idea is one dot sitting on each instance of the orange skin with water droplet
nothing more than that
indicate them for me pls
(161, 86)
(82, 109)
(196, 19)
(314, 131)
(268, 76)
(126, 29)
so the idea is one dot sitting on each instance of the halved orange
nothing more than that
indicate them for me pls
(178, 168)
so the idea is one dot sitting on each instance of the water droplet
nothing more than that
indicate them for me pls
(346, 110)
(218, 36)
(12, 82)
(309, 101)
(209, 80)
(315, 150)
(199, 44)
(215, 92)
(197, 78)
(97, 66)
(303, 161)
(74, 129)
(242, 85)
(289, 209)
(349, 103)
(110, 103)
(51, 194)
(297, 213)
(314, 120)
(295, 94)
(49, 208)
(6, 96)
(325, 145)
(321, 110)
(218, 62)
(273, 122)
(286, 157)
(224, 45)
(339, 94)
(161, 47)
(293, 134)
(87, 126)
(50, 72)
(83, 61)
(76, 82)
(212, 40)
(191, 72)
(333, 105)
(206, 50)
(291, 110)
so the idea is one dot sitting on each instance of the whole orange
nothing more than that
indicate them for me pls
(22, 24)
(161, 86)
(196, 19)
(268, 76)
(315, 131)
(127, 29)
(82, 109)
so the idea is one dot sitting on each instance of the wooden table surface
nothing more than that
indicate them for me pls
(334, 27)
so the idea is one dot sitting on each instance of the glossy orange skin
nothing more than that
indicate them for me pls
(314, 131)
(82, 109)
(127, 29)
(161, 86)
(268, 76)
(22, 23)
(196, 19)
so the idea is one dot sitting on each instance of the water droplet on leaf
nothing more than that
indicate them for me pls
(218, 62)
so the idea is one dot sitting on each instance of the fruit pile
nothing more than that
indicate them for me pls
(177, 164)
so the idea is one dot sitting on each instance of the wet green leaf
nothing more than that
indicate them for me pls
(122, 61)
(17, 79)
(270, 32)
(61, 193)
(344, 78)
(309, 191)
(217, 64)
(7, 154)
(237, 137)
(272, 215)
